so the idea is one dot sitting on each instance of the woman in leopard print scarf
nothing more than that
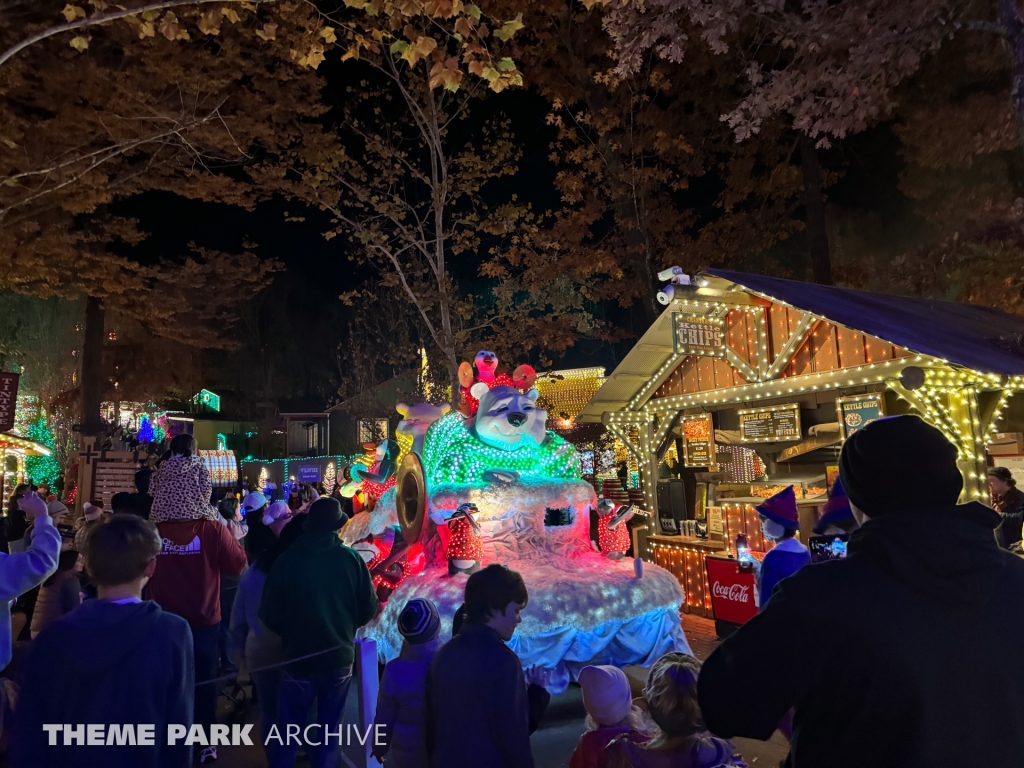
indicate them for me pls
(181, 486)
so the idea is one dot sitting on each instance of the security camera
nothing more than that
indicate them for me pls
(670, 273)
(665, 294)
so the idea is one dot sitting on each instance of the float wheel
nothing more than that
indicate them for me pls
(411, 497)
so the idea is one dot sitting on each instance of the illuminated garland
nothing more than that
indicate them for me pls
(453, 454)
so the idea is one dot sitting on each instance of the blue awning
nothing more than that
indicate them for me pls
(980, 338)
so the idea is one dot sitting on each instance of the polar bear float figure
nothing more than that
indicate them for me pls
(532, 513)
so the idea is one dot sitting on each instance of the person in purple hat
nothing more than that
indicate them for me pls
(780, 522)
(836, 515)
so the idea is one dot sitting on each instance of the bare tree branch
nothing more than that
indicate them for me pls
(104, 18)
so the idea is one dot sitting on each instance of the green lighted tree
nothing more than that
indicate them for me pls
(42, 469)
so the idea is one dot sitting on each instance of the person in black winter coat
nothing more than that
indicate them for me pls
(1009, 503)
(537, 695)
(896, 655)
(477, 707)
(117, 660)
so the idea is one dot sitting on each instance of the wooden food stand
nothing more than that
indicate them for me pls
(755, 382)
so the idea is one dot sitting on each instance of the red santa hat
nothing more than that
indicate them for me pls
(781, 508)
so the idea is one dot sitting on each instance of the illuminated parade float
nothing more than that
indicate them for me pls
(492, 485)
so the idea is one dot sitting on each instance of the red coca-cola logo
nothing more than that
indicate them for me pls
(737, 593)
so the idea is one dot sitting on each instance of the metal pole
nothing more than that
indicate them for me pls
(366, 677)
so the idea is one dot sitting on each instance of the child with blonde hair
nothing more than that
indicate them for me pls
(610, 715)
(681, 739)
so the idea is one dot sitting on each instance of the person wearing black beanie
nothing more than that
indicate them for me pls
(874, 461)
(925, 603)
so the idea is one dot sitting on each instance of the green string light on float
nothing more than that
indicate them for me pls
(453, 454)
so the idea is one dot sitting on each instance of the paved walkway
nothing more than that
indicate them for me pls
(556, 738)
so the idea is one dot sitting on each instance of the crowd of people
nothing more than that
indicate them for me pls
(893, 656)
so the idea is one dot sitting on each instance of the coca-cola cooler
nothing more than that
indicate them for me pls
(732, 594)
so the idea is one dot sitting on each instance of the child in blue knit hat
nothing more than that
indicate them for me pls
(401, 704)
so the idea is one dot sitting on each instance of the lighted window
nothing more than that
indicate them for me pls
(372, 430)
(313, 436)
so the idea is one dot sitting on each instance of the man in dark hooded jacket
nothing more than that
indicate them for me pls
(895, 656)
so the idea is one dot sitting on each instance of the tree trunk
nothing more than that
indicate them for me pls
(814, 202)
(92, 368)
(1013, 29)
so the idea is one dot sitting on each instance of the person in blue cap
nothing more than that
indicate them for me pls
(780, 522)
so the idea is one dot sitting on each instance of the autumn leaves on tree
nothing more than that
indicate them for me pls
(690, 133)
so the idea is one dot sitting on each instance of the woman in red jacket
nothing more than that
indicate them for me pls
(197, 550)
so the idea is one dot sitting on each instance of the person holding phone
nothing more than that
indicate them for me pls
(23, 571)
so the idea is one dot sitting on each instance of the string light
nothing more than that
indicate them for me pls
(405, 441)
(330, 478)
(611, 539)
(746, 466)
(464, 543)
(453, 454)
(568, 392)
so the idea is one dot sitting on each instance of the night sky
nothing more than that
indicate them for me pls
(865, 203)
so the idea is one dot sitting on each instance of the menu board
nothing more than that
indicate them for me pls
(716, 521)
(858, 411)
(769, 425)
(698, 441)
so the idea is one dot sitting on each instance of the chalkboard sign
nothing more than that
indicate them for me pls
(777, 423)
(698, 441)
(858, 411)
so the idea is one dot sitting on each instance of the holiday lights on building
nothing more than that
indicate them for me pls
(566, 393)
(808, 354)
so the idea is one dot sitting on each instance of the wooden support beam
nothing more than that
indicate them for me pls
(791, 346)
(620, 433)
(746, 369)
(662, 438)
